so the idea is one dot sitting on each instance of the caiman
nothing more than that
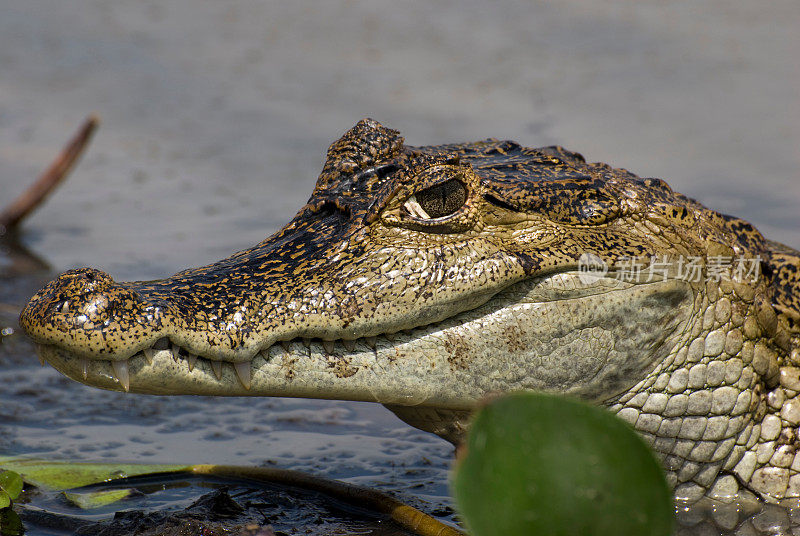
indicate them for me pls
(425, 278)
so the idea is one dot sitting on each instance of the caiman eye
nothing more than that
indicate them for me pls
(438, 201)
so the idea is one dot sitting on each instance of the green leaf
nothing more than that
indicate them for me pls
(5, 500)
(538, 464)
(11, 483)
(96, 499)
(58, 475)
(10, 523)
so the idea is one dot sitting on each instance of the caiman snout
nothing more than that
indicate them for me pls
(84, 310)
(83, 293)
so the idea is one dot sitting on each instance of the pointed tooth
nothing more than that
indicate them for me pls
(85, 368)
(349, 345)
(307, 342)
(328, 345)
(243, 373)
(285, 345)
(41, 359)
(192, 360)
(121, 373)
(216, 366)
(176, 352)
(371, 341)
(148, 354)
(390, 336)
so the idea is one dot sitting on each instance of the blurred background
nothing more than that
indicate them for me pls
(215, 121)
(216, 115)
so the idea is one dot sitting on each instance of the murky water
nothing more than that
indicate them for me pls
(216, 117)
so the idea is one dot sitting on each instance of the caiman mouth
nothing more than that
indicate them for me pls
(557, 332)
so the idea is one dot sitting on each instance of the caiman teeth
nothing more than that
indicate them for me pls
(243, 369)
(41, 359)
(121, 373)
(216, 366)
(243, 373)
(85, 368)
(192, 360)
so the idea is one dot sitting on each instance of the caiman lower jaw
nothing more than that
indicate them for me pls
(169, 369)
(553, 333)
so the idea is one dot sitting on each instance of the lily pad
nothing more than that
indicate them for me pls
(11, 483)
(10, 523)
(59, 475)
(96, 499)
(542, 464)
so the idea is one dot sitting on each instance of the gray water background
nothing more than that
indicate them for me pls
(215, 121)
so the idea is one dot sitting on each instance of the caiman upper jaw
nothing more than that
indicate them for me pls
(84, 311)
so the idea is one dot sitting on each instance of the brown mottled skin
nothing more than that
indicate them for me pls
(427, 277)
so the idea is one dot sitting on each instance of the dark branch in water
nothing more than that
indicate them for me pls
(14, 213)
(404, 515)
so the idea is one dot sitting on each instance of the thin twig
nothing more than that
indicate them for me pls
(38, 191)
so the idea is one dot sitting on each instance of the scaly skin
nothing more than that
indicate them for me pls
(425, 278)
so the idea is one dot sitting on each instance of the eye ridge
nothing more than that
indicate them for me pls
(443, 199)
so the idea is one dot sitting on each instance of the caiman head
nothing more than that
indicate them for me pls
(425, 278)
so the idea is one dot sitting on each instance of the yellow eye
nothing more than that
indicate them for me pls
(438, 201)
